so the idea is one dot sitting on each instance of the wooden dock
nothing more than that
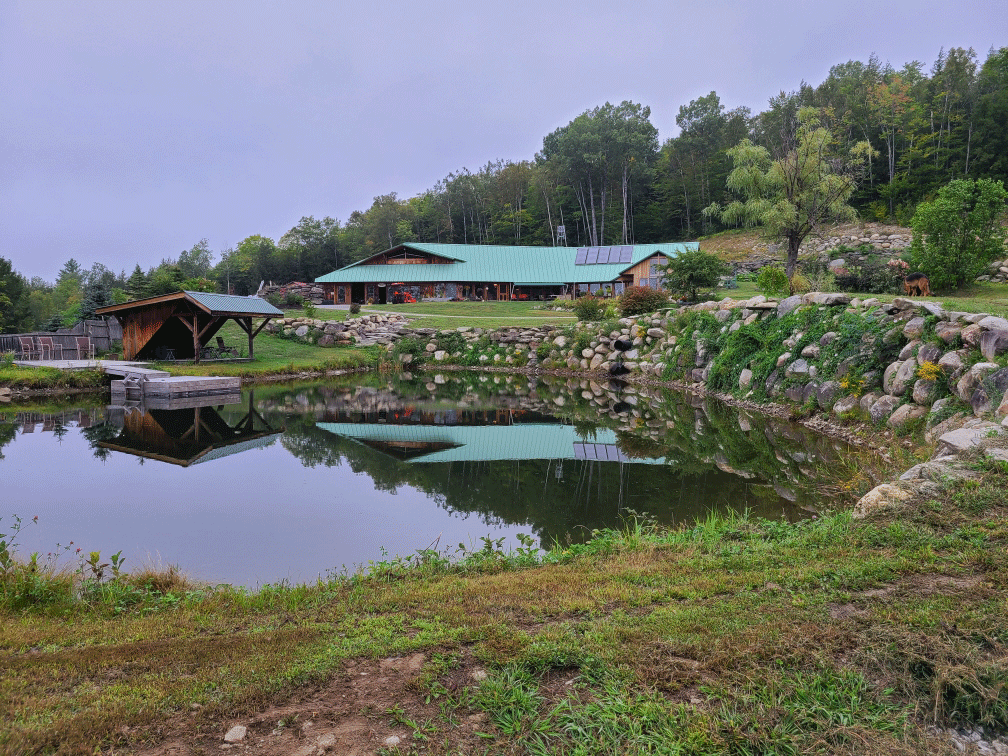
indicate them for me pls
(142, 383)
(137, 382)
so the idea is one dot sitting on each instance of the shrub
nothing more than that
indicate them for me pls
(354, 308)
(773, 281)
(637, 300)
(292, 300)
(959, 234)
(691, 272)
(589, 308)
(872, 277)
(309, 308)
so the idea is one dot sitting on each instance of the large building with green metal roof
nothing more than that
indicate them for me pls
(477, 271)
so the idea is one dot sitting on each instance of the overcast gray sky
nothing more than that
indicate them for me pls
(130, 130)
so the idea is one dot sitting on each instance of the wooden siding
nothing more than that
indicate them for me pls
(643, 268)
(140, 325)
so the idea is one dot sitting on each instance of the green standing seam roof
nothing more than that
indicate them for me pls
(485, 443)
(479, 263)
(234, 303)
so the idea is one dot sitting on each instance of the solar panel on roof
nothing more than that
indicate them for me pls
(582, 253)
(626, 254)
(592, 256)
(614, 253)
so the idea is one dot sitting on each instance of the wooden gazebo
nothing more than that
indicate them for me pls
(180, 325)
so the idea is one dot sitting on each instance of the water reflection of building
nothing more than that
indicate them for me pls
(471, 443)
(185, 432)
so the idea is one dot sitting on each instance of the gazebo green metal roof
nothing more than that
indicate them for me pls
(484, 263)
(483, 443)
(228, 303)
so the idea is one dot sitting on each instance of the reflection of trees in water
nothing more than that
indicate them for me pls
(558, 499)
(8, 430)
(100, 432)
(718, 457)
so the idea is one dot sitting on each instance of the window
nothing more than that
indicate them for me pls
(341, 294)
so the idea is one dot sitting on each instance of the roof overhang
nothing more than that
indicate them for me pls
(217, 305)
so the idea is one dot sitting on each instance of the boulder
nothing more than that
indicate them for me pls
(914, 328)
(869, 399)
(795, 393)
(789, 305)
(948, 332)
(903, 377)
(910, 350)
(992, 387)
(993, 343)
(992, 323)
(971, 335)
(883, 408)
(923, 391)
(879, 498)
(889, 375)
(967, 437)
(972, 379)
(301, 331)
(797, 369)
(745, 379)
(827, 394)
(905, 414)
(929, 353)
(846, 404)
(952, 365)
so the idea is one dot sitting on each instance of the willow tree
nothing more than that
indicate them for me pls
(806, 187)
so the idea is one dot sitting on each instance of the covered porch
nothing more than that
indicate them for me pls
(181, 325)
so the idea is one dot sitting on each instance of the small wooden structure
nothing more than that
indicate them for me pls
(181, 324)
(186, 432)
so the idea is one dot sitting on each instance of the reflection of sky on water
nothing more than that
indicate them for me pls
(251, 518)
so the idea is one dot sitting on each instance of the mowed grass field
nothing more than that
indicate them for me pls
(444, 315)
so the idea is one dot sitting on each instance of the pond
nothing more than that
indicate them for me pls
(296, 482)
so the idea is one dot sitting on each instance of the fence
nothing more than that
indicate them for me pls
(106, 335)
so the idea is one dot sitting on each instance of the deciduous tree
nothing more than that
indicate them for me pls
(805, 188)
(957, 235)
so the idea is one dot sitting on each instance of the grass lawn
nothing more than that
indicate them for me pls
(980, 297)
(478, 314)
(731, 636)
(274, 355)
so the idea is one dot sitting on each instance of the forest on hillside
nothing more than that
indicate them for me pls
(606, 178)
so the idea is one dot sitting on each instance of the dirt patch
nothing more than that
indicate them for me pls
(355, 714)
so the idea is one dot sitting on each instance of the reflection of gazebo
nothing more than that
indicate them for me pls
(190, 435)
(184, 322)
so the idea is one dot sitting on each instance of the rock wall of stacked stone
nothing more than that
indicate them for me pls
(884, 241)
(366, 330)
(948, 371)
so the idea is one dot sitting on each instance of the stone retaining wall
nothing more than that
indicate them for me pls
(892, 364)
(365, 330)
